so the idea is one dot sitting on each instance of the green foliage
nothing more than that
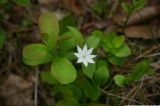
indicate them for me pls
(90, 90)
(101, 75)
(66, 21)
(24, 3)
(141, 69)
(68, 102)
(116, 60)
(68, 42)
(120, 80)
(137, 4)
(49, 29)
(35, 54)
(63, 71)
(95, 39)
(2, 39)
(122, 51)
(118, 41)
(48, 78)
(89, 70)
(77, 35)
(70, 88)
(99, 6)
(3, 1)
(116, 48)
(126, 8)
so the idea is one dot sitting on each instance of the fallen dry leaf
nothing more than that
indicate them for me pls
(16, 91)
(138, 16)
(142, 32)
(156, 65)
(74, 6)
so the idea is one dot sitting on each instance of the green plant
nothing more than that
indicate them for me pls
(77, 84)
(140, 70)
(136, 5)
(23, 3)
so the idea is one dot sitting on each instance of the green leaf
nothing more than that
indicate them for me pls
(90, 90)
(138, 4)
(68, 102)
(63, 71)
(94, 40)
(48, 78)
(77, 35)
(120, 80)
(118, 41)
(107, 41)
(76, 89)
(122, 51)
(2, 39)
(62, 91)
(101, 75)
(116, 60)
(141, 69)
(35, 54)
(126, 8)
(99, 7)
(49, 29)
(3, 1)
(89, 70)
(68, 20)
(67, 42)
(24, 3)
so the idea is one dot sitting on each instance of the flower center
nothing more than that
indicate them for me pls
(83, 56)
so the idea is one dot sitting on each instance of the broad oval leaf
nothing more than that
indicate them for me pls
(120, 80)
(101, 75)
(89, 70)
(49, 28)
(94, 40)
(77, 35)
(67, 42)
(118, 41)
(116, 60)
(107, 41)
(35, 54)
(122, 51)
(68, 102)
(63, 71)
(90, 90)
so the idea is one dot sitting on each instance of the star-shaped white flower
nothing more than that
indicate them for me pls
(84, 55)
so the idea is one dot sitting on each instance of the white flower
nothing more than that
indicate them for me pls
(84, 55)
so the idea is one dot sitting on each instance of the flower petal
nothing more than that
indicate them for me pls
(85, 63)
(91, 56)
(80, 51)
(78, 55)
(90, 51)
(80, 60)
(85, 49)
(90, 60)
